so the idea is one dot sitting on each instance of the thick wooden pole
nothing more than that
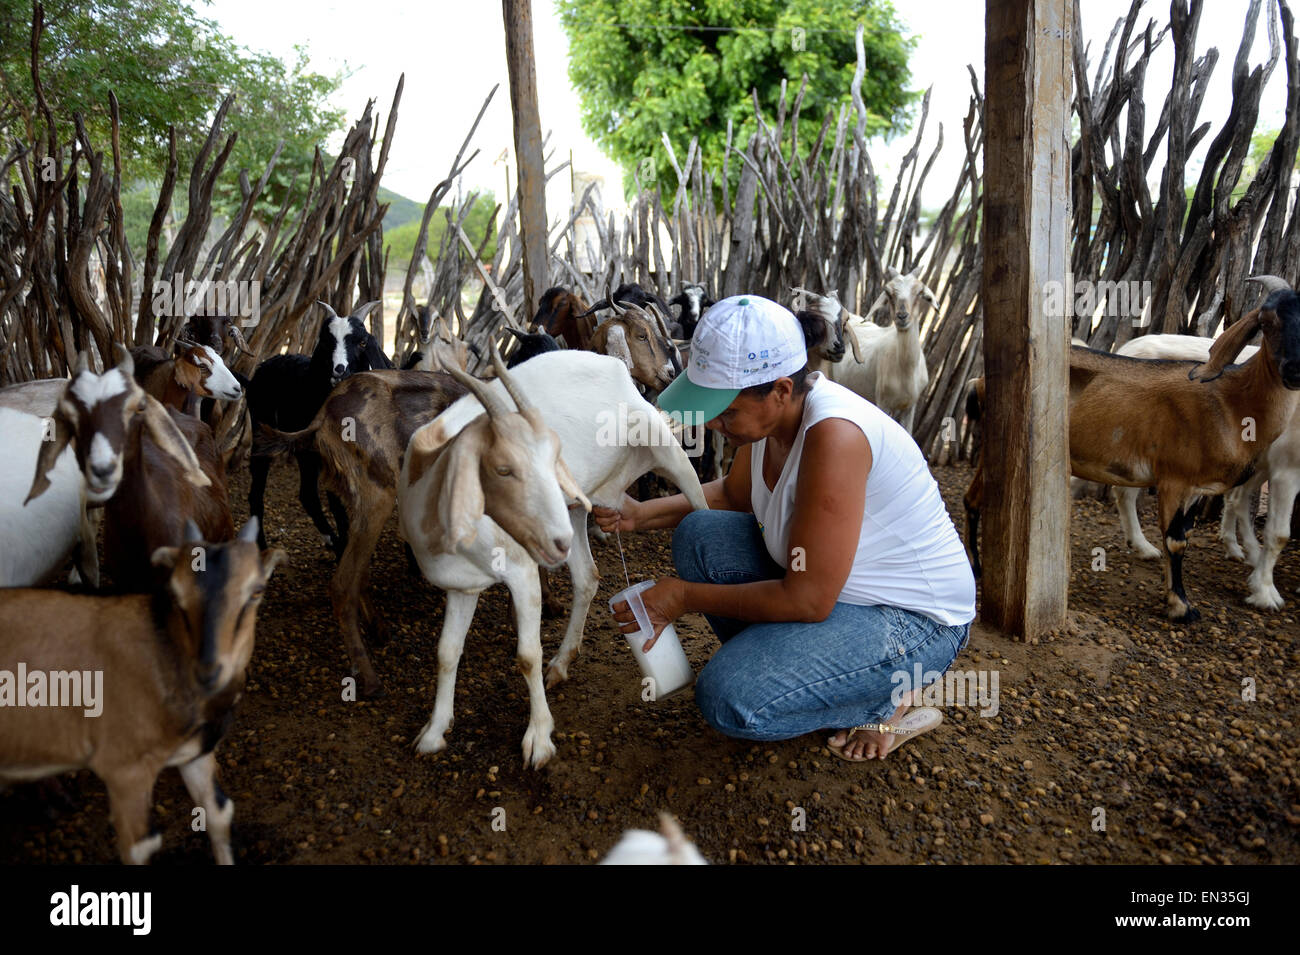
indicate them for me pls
(518, 16)
(1027, 63)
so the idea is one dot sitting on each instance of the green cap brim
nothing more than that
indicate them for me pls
(695, 404)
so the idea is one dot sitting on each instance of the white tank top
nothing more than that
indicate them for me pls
(909, 554)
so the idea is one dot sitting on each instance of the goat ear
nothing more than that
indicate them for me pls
(929, 296)
(852, 335)
(165, 557)
(460, 503)
(616, 344)
(50, 451)
(187, 374)
(875, 307)
(270, 560)
(375, 354)
(568, 486)
(172, 441)
(1226, 348)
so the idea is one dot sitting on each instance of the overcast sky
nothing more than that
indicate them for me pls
(453, 52)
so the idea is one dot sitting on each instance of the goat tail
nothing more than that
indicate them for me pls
(267, 442)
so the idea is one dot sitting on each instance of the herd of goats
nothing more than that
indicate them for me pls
(492, 479)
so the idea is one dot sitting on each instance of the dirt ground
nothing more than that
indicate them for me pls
(1120, 739)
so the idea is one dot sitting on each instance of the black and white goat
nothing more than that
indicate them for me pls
(694, 301)
(285, 393)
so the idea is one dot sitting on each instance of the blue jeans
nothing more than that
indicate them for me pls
(773, 681)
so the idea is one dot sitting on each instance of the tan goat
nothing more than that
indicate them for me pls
(131, 684)
(1190, 429)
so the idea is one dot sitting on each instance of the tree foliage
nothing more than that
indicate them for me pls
(645, 67)
(168, 67)
(479, 223)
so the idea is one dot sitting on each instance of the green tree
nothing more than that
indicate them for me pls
(1261, 144)
(645, 67)
(480, 222)
(168, 66)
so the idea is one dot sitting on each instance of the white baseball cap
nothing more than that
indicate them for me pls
(739, 342)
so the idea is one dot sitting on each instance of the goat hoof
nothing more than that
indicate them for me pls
(1149, 553)
(1266, 600)
(538, 749)
(429, 741)
(371, 688)
(1189, 615)
(555, 675)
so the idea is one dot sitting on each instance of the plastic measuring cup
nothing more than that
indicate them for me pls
(666, 662)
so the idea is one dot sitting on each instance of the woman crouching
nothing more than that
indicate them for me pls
(828, 565)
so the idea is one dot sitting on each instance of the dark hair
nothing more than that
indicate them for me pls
(800, 379)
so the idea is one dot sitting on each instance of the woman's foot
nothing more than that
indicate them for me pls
(865, 744)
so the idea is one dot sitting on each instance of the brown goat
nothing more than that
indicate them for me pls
(635, 337)
(1190, 429)
(558, 315)
(150, 467)
(144, 681)
(180, 380)
(361, 433)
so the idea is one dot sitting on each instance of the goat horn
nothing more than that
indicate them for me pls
(1271, 283)
(661, 318)
(240, 342)
(329, 308)
(493, 405)
(361, 311)
(249, 531)
(83, 363)
(192, 532)
(124, 360)
(516, 392)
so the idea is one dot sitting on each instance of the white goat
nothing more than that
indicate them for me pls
(609, 436)
(888, 366)
(36, 538)
(1279, 466)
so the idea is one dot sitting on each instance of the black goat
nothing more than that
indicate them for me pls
(531, 344)
(285, 393)
(631, 294)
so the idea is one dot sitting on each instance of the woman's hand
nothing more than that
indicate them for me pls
(664, 603)
(625, 518)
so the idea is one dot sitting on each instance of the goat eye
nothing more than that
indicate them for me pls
(504, 471)
(140, 408)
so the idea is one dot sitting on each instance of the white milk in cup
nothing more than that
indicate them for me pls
(666, 662)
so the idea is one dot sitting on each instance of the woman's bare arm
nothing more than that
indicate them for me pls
(824, 532)
(728, 493)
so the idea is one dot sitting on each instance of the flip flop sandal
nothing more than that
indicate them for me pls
(915, 722)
